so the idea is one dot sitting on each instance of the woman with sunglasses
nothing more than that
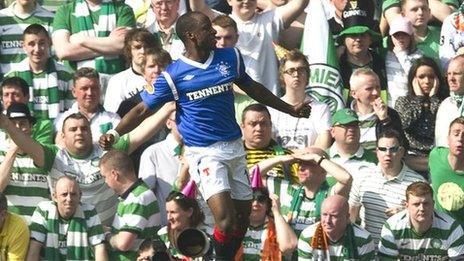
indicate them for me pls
(299, 133)
(268, 237)
(418, 110)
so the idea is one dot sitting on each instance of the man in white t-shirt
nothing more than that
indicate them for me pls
(257, 32)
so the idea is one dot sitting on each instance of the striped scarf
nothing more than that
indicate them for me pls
(298, 197)
(320, 242)
(77, 242)
(101, 28)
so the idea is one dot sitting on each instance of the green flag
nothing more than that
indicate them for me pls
(325, 82)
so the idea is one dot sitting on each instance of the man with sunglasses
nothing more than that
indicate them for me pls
(381, 189)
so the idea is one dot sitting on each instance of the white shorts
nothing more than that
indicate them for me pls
(220, 167)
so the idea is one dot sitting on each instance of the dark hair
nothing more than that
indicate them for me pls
(186, 203)
(36, 29)
(120, 161)
(293, 56)
(85, 72)
(442, 91)
(257, 107)
(162, 57)
(75, 116)
(189, 22)
(142, 35)
(225, 21)
(390, 133)
(264, 192)
(17, 82)
(403, 2)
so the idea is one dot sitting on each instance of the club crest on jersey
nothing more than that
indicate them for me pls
(150, 88)
(223, 68)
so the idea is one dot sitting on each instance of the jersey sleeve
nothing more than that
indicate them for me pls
(61, 19)
(388, 250)
(456, 240)
(125, 16)
(160, 93)
(50, 152)
(38, 225)
(243, 77)
(94, 227)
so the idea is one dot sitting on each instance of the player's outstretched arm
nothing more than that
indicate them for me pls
(258, 92)
(131, 120)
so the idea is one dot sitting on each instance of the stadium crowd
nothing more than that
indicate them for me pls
(273, 129)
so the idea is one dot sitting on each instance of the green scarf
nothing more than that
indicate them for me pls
(76, 238)
(298, 196)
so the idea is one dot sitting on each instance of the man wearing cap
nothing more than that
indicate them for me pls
(399, 58)
(137, 217)
(346, 149)
(16, 90)
(23, 183)
(357, 37)
(80, 158)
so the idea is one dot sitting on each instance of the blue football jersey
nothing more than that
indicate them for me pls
(204, 96)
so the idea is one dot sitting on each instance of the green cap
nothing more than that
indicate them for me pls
(344, 116)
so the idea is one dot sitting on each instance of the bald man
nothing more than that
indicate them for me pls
(335, 235)
(53, 220)
(137, 217)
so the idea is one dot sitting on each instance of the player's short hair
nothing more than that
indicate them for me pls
(16, 82)
(257, 107)
(189, 22)
(419, 189)
(119, 161)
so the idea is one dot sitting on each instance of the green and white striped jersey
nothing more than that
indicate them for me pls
(399, 241)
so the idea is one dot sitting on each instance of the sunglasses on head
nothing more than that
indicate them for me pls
(394, 149)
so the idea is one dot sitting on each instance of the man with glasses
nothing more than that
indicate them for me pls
(380, 189)
(453, 106)
(346, 149)
(446, 168)
(160, 20)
